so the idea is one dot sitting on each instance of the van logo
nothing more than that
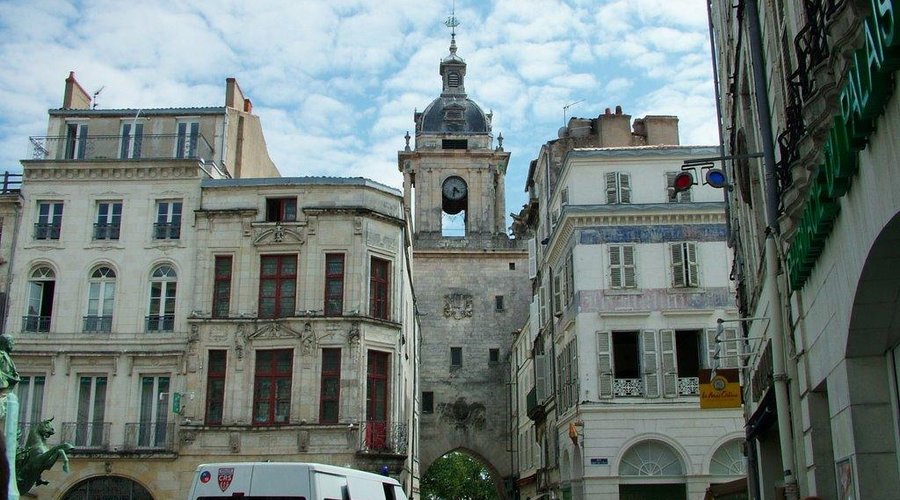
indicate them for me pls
(225, 477)
(205, 476)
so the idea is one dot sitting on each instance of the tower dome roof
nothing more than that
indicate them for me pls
(456, 114)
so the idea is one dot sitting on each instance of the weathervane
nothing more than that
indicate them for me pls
(452, 22)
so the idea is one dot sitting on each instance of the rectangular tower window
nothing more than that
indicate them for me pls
(455, 356)
(427, 402)
(222, 286)
(494, 355)
(379, 289)
(334, 284)
(454, 144)
(498, 302)
(330, 397)
(281, 209)
(215, 386)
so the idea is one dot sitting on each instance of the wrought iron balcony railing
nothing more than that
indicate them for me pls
(150, 436)
(167, 230)
(86, 435)
(47, 230)
(688, 386)
(35, 323)
(628, 388)
(106, 231)
(97, 324)
(111, 147)
(160, 323)
(384, 437)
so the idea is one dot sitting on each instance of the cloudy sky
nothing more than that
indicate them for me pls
(336, 82)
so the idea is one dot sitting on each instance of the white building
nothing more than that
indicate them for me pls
(630, 279)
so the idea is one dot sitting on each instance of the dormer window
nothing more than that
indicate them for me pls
(281, 209)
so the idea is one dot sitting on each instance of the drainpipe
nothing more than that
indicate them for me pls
(776, 323)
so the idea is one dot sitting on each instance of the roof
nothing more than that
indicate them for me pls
(216, 110)
(439, 117)
(299, 181)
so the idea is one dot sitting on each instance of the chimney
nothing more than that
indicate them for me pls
(614, 129)
(234, 97)
(75, 97)
(661, 130)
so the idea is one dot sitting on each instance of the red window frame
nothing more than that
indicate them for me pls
(280, 300)
(379, 288)
(272, 386)
(334, 284)
(330, 392)
(215, 386)
(281, 209)
(221, 301)
(377, 397)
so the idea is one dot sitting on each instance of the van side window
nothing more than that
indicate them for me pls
(388, 491)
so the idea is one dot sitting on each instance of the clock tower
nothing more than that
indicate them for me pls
(471, 279)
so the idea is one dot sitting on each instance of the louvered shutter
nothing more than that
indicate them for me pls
(731, 349)
(669, 363)
(649, 357)
(615, 266)
(693, 279)
(540, 374)
(629, 279)
(612, 189)
(532, 258)
(557, 293)
(534, 322)
(712, 348)
(570, 279)
(604, 365)
(573, 370)
(624, 188)
(677, 265)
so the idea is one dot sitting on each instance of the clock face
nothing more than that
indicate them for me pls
(454, 188)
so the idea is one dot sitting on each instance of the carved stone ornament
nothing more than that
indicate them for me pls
(308, 342)
(458, 306)
(463, 414)
(274, 330)
(278, 234)
(353, 335)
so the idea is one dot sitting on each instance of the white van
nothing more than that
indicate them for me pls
(290, 481)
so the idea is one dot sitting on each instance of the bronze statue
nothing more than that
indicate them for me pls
(36, 457)
(9, 377)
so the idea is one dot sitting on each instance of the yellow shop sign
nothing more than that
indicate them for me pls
(721, 390)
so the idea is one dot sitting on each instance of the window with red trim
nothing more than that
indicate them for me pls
(377, 400)
(222, 286)
(379, 287)
(281, 209)
(277, 286)
(334, 284)
(272, 386)
(330, 396)
(215, 386)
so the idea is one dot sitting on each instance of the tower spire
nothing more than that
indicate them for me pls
(452, 22)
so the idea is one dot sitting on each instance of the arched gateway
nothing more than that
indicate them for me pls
(471, 278)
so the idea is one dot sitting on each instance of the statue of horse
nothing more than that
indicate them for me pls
(35, 456)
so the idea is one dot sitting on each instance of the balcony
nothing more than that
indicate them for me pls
(157, 436)
(47, 231)
(106, 231)
(86, 436)
(383, 437)
(160, 323)
(688, 386)
(112, 147)
(628, 388)
(534, 409)
(35, 323)
(167, 230)
(97, 324)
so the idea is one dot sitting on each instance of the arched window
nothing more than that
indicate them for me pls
(163, 285)
(728, 460)
(41, 287)
(651, 458)
(99, 487)
(101, 297)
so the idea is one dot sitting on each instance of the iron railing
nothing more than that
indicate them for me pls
(47, 230)
(97, 324)
(383, 437)
(35, 323)
(166, 230)
(688, 386)
(150, 436)
(86, 435)
(109, 147)
(106, 231)
(628, 387)
(160, 323)
(12, 183)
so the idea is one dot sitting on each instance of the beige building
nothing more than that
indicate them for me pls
(178, 302)
(629, 281)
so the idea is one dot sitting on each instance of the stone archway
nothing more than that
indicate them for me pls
(107, 487)
(495, 477)
(652, 470)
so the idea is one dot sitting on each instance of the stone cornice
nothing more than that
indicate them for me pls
(94, 170)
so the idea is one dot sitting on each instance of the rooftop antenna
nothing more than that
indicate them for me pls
(566, 109)
(452, 22)
(94, 98)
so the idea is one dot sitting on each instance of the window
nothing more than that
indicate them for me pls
(40, 300)
(132, 138)
(498, 302)
(621, 266)
(334, 284)
(567, 375)
(618, 188)
(109, 220)
(89, 425)
(512, 265)
(101, 298)
(153, 425)
(30, 391)
(493, 355)
(330, 397)
(455, 357)
(626, 355)
(277, 285)
(222, 286)
(427, 402)
(188, 133)
(377, 400)
(379, 283)
(76, 141)
(684, 265)
(454, 143)
(671, 195)
(163, 285)
(272, 386)
(570, 280)
(687, 351)
(281, 209)
(215, 386)
(168, 220)
(49, 222)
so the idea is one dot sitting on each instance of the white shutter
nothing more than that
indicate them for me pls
(615, 267)
(649, 356)
(677, 265)
(534, 322)
(532, 258)
(573, 370)
(612, 189)
(669, 363)
(624, 188)
(540, 374)
(604, 365)
(731, 349)
(629, 279)
(544, 304)
(557, 293)
(711, 349)
(691, 265)
(570, 279)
